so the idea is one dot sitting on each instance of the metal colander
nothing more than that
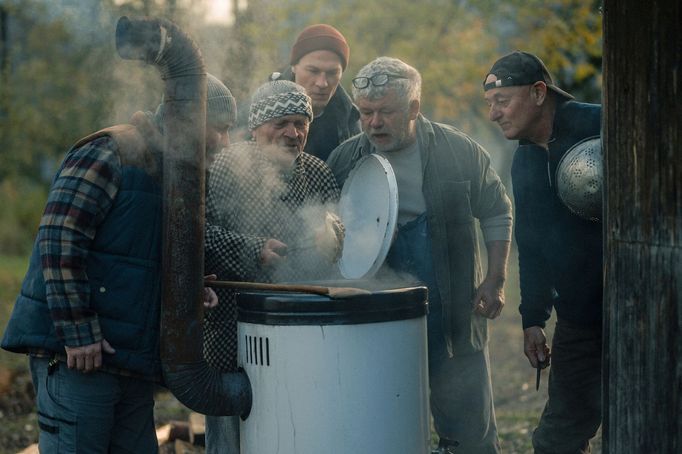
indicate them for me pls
(580, 178)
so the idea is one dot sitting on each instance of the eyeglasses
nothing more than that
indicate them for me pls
(377, 80)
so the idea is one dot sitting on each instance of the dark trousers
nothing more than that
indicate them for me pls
(94, 413)
(572, 414)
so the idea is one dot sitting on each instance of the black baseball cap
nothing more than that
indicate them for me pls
(521, 68)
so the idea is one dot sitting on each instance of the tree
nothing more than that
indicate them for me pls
(452, 43)
(46, 104)
(568, 36)
(63, 79)
(643, 234)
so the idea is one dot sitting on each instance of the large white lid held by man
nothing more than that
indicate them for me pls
(369, 210)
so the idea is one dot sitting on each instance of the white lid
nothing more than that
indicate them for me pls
(369, 210)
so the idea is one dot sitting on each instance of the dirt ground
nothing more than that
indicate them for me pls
(517, 404)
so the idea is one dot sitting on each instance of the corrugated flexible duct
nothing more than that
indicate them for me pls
(161, 43)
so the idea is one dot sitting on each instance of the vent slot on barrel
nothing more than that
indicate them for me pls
(257, 350)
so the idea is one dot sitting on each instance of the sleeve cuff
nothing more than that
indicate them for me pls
(534, 317)
(527, 323)
(80, 334)
(497, 228)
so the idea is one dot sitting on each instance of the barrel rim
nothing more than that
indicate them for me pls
(281, 308)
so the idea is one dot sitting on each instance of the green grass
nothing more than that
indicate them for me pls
(18, 430)
(12, 270)
(515, 429)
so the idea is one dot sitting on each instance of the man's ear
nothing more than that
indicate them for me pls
(539, 92)
(414, 109)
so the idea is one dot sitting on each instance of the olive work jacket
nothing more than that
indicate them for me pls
(459, 186)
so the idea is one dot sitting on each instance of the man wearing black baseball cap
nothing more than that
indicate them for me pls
(560, 254)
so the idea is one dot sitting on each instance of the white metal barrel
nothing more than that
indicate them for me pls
(345, 376)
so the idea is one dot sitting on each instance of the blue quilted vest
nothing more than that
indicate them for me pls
(124, 272)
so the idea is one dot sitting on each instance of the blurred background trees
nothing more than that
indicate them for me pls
(60, 77)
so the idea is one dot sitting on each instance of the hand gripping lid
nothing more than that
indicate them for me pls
(369, 210)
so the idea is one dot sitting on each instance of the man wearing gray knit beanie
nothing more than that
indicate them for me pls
(221, 114)
(269, 215)
(221, 107)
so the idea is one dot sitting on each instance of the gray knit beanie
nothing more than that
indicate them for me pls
(278, 98)
(221, 107)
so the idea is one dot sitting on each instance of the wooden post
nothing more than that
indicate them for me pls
(643, 226)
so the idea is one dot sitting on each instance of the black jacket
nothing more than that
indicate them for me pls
(560, 254)
(339, 122)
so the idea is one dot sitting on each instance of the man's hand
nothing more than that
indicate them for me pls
(87, 358)
(535, 346)
(210, 297)
(272, 251)
(489, 298)
(329, 238)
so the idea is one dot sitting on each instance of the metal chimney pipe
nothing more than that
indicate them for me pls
(161, 43)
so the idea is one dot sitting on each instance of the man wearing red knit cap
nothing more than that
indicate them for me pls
(318, 58)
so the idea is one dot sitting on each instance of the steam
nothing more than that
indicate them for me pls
(253, 197)
(259, 204)
(361, 247)
(135, 86)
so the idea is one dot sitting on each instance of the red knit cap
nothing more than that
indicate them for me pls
(320, 37)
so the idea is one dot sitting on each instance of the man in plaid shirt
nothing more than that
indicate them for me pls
(88, 312)
(267, 202)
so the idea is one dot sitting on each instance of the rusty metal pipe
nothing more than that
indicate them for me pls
(161, 43)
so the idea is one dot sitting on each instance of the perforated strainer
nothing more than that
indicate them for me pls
(580, 178)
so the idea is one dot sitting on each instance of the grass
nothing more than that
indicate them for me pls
(515, 429)
(19, 425)
(12, 270)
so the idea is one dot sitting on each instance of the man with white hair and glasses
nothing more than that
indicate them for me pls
(445, 182)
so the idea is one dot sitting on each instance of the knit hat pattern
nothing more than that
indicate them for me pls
(278, 98)
(320, 37)
(221, 107)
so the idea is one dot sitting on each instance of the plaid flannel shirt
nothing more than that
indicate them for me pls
(80, 198)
